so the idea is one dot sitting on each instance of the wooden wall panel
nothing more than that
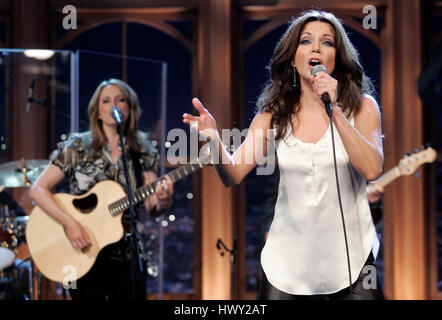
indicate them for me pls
(214, 69)
(404, 212)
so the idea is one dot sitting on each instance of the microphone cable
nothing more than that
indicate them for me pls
(329, 109)
(339, 197)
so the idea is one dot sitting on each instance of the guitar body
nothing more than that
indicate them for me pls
(50, 248)
(99, 212)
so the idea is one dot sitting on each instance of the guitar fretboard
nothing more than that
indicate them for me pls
(388, 177)
(144, 192)
(407, 166)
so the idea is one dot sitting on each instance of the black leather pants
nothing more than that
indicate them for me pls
(356, 292)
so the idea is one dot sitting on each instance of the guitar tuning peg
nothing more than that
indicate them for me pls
(417, 175)
(407, 154)
(416, 150)
(428, 145)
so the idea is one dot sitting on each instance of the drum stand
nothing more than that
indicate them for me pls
(34, 282)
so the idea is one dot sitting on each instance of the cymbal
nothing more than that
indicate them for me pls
(22, 173)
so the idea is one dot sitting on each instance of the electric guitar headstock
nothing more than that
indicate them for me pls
(410, 163)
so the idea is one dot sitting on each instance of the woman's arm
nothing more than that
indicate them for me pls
(42, 195)
(363, 142)
(233, 168)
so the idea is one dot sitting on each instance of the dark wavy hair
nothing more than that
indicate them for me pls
(282, 100)
(135, 138)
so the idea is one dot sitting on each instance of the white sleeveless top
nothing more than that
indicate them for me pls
(305, 250)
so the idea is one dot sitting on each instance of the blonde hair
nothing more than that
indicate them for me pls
(133, 136)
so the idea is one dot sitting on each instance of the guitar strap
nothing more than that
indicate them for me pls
(137, 168)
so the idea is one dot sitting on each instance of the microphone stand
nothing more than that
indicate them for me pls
(220, 244)
(133, 232)
(44, 103)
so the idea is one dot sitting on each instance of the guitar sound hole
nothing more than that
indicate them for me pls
(86, 205)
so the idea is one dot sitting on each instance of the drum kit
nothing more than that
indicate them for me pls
(12, 225)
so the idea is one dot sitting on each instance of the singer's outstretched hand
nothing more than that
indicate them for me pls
(323, 83)
(205, 123)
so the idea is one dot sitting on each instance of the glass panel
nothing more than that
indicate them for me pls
(178, 236)
(148, 79)
(51, 75)
(66, 81)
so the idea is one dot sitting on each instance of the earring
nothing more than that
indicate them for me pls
(294, 76)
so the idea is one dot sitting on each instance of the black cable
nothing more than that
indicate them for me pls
(27, 259)
(220, 245)
(340, 205)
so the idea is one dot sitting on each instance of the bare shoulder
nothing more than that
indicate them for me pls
(261, 120)
(369, 105)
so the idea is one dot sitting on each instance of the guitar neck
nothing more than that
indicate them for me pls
(388, 177)
(146, 191)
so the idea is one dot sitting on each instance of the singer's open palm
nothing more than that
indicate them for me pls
(205, 123)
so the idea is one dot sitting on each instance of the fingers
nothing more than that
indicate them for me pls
(164, 187)
(377, 189)
(159, 189)
(323, 83)
(198, 106)
(85, 237)
(374, 192)
(188, 118)
(169, 183)
(78, 236)
(82, 241)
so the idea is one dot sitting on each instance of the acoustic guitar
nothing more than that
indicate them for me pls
(99, 211)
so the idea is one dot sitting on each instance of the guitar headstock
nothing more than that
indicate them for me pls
(409, 164)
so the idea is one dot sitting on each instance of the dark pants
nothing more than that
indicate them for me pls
(110, 278)
(357, 291)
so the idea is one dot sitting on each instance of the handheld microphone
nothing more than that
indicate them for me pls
(325, 96)
(116, 114)
(30, 95)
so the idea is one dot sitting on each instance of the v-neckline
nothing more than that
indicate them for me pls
(310, 143)
(109, 155)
